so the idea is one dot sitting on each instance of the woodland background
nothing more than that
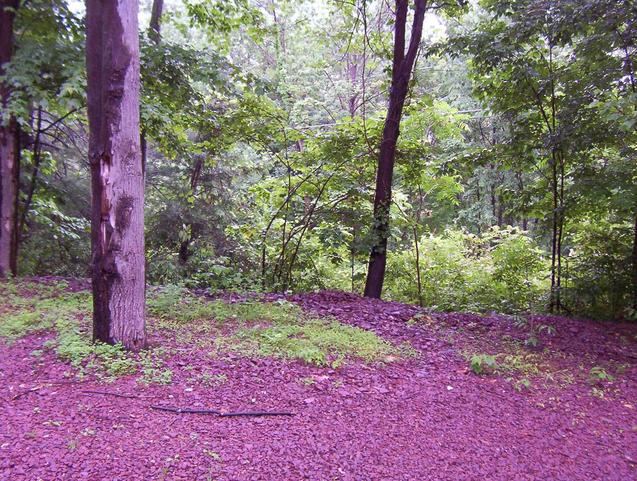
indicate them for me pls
(515, 183)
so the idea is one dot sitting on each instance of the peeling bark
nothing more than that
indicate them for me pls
(117, 227)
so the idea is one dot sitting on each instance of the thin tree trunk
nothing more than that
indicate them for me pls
(154, 32)
(117, 234)
(401, 74)
(9, 152)
(554, 235)
(628, 66)
(418, 274)
(37, 158)
(635, 265)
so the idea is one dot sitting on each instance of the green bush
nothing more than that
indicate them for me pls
(501, 270)
(597, 271)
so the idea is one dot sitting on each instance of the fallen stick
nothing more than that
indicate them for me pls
(214, 412)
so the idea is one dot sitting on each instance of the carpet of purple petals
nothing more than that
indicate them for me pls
(423, 418)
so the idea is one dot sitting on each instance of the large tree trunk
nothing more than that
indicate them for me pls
(401, 74)
(117, 227)
(9, 152)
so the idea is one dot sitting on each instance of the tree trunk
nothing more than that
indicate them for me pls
(401, 74)
(154, 32)
(635, 265)
(37, 159)
(554, 235)
(9, 152)
(117, 227)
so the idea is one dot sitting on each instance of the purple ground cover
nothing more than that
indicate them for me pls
(423, 418)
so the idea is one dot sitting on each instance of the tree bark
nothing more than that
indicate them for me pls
(9, 152)
(37, 159)
(154, 32)
(635, 265)
(401, 74)
(117, 227)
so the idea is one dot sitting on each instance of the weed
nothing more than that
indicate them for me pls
(528, 364)
(534, 330)
(153, 371)
(525, 363)
(522, 384)
(598, 373)
(481, 362)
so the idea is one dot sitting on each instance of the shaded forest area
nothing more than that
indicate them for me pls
(510, 188)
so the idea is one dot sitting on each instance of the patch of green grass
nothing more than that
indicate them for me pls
(278, 329)
(315, 341)
(32, 307)
(47, 309)
(174, 306)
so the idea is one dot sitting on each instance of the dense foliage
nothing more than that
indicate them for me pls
(515, 184)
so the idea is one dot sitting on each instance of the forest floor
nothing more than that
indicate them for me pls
(377, 391)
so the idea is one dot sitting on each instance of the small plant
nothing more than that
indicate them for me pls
(523, 384)
(534, 330)
(598, 373)
(481, 362)
(153, 371)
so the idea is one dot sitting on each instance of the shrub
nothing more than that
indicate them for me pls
(501, 270)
